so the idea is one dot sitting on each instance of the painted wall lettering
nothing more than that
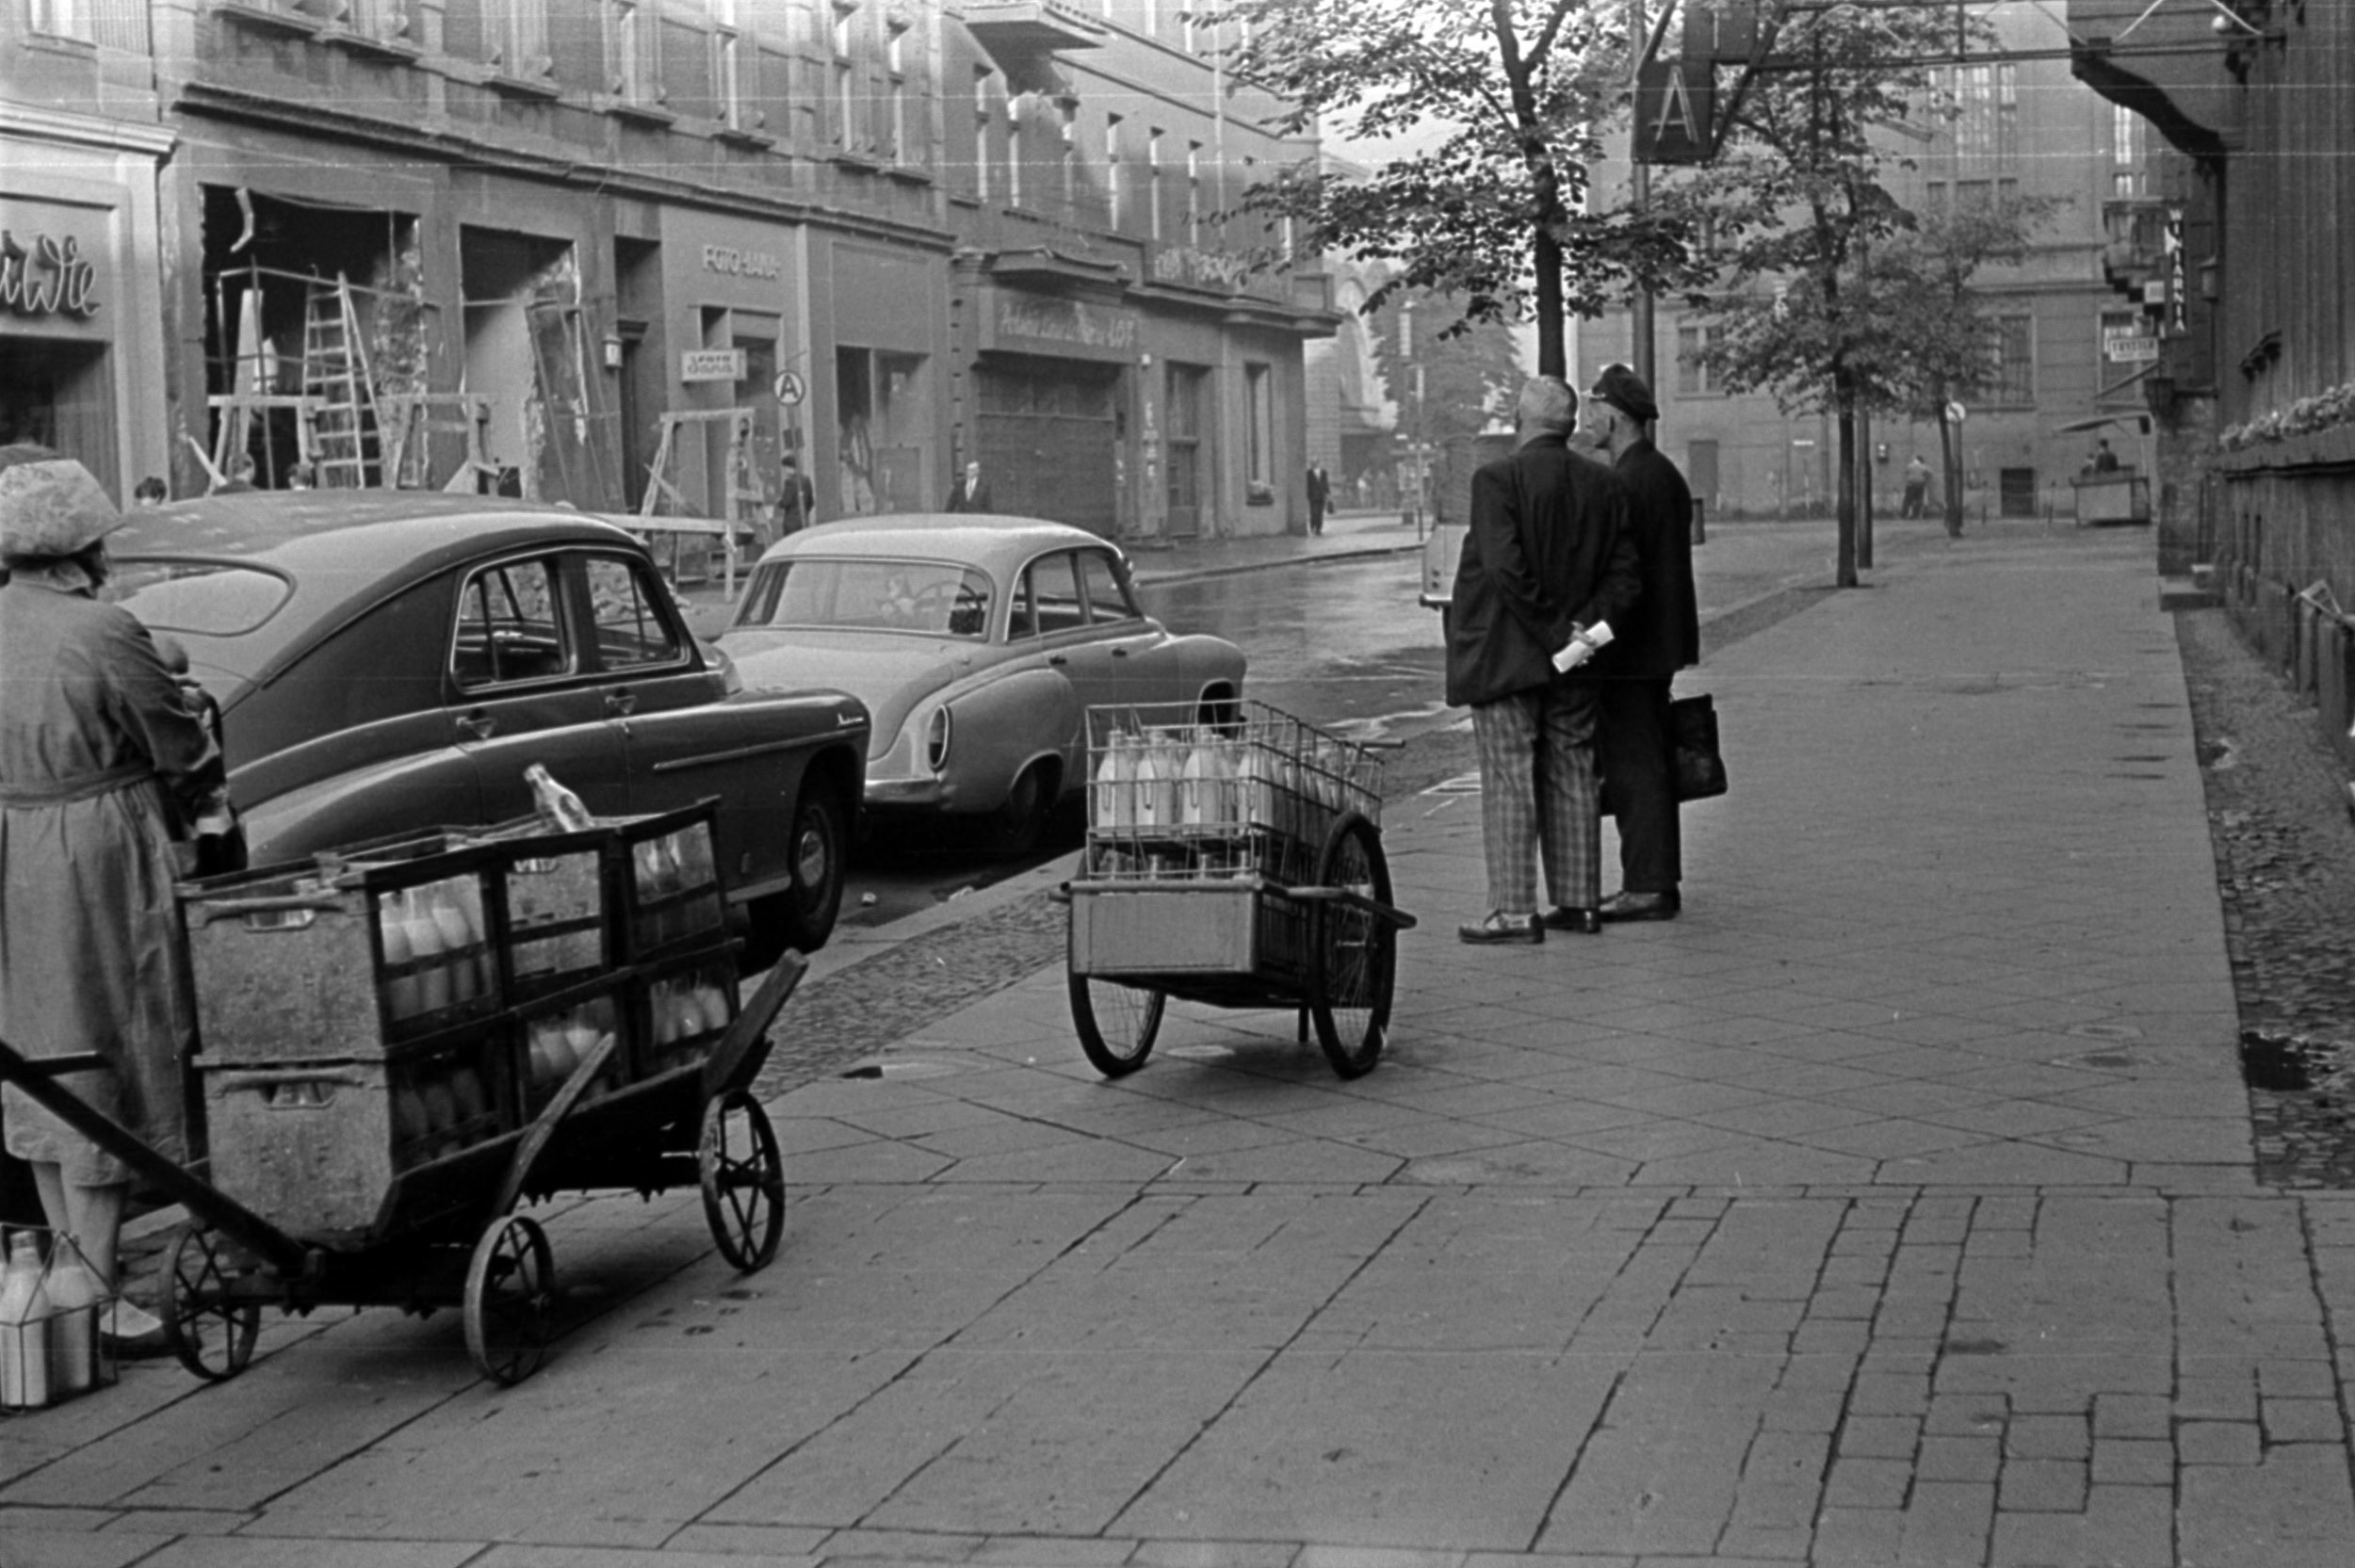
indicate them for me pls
(49, 278)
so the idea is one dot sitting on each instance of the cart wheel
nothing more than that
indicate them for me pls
(1352, 955)
(1117, 1023)
(510, 1287)
(743, 1180)
(212, 1334)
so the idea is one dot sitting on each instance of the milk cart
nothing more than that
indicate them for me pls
(1233, 857)
(401, 1042)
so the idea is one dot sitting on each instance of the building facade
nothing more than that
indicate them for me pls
(2067, 349)
(636, 251)
(2257, 400)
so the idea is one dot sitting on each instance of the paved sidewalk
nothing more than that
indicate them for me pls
(1892, 1207)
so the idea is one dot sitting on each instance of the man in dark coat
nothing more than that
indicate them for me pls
(971, 493)
(1320, 492)
(1662, 636)
(1547, 565)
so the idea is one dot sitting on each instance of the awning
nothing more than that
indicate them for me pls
(2131, 417)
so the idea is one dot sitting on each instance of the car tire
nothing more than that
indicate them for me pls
(802, 916)
(1021, 822)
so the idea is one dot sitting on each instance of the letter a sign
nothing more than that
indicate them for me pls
(1672, 108)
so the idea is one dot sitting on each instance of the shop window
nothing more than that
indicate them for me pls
(1259, 389)
(62, 395)
(881, 408)
(1189, 455)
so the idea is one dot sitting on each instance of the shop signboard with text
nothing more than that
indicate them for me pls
(1023, 323)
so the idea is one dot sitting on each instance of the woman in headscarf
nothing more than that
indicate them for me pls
(99, 756)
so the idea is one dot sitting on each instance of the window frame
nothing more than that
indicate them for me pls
(641, 574)
(561, 607)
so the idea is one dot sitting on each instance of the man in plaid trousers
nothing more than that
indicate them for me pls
(1547, 564)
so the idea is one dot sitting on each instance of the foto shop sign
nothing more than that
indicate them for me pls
(46, 277)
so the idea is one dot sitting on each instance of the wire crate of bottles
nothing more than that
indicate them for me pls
(1242, 790)
(1234, 858)
(52, 1306)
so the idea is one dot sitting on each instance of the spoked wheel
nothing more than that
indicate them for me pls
(210, 1330)
(1117, 1023)
(743, 1180)
(511, 1292)
(1353, 953)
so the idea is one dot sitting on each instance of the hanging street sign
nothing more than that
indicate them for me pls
(789, 389)
(1673, 101)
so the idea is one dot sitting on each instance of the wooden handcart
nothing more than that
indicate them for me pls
(375, 1111)
(1234, 858)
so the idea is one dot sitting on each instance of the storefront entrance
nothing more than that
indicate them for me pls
(1048, 434)
(59, 394)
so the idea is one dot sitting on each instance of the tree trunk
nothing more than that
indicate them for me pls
(1552, 352)
(1949, 470)
(1844, 411)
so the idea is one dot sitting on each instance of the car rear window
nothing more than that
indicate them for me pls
(931, 597)
(209, 598)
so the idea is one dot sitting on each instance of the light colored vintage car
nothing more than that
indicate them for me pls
(977, 642)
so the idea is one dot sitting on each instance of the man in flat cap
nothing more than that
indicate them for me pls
(1662, 636)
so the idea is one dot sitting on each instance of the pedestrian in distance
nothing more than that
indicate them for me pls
(797, 498)
(2104, 461)
(1917, 498)
(151, 492)
(240, 479)
(972, 492)
(1320, 492)
(1547, 566)
(1659, 636)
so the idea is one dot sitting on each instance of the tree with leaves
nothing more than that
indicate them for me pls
(1936, 350)
(1799, 211)
(1488, 208)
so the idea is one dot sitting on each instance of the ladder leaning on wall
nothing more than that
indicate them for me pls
(346, 434)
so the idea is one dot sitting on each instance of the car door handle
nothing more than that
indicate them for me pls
(1120, 653)
(479, 724)
(622, 702)
(1057, 658)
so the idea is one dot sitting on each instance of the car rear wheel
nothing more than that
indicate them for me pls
(1021, 822)
(803, 915)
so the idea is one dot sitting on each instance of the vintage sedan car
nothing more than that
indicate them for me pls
(389, 661)
(977, 642)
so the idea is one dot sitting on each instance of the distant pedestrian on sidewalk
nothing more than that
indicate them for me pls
(1320, 491)
(972, 492)
(1547, 565)
(1917, 488)
(1661, 636)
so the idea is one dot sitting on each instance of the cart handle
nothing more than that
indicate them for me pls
(740, 1053)
(285, 903)
(262, 1077)
(551, 1116)
(200, 1199)
(1354, 899)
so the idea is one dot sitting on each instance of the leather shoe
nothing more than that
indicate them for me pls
(1500, 927)
(1641, 906)
(1573, 917)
